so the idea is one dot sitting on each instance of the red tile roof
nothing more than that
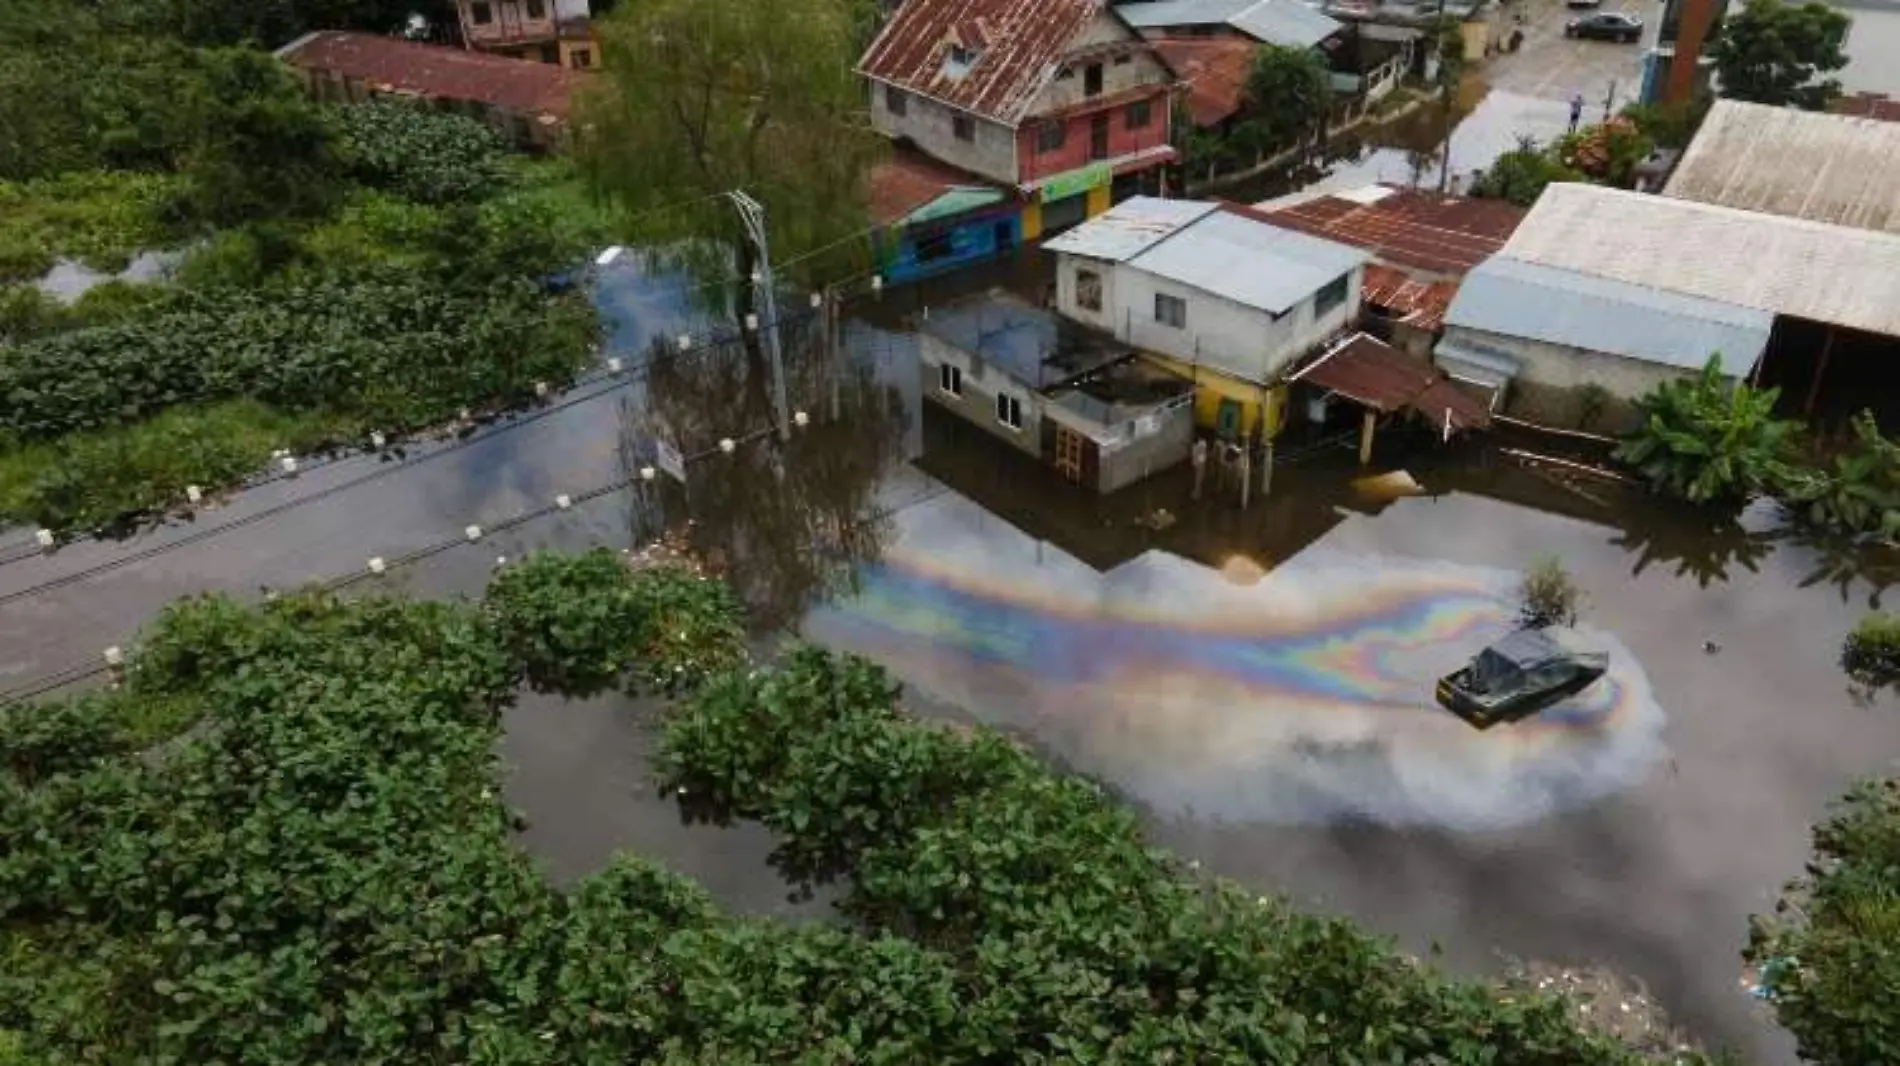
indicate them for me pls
(1409, 228)
(1215, 70)
(1869, 105)
(391, 65)
(1416, 303)
(1374, 374)
(907, 179)
(1019, 43)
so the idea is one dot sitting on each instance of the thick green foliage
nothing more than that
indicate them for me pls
(391, 347)
(577, 623)
(1871, 653)
(1772, 52)
(260, 148)
(1830, 955)
(1520, 174)
(1859, 492)
(1710, 439)
(100, 218)
(427, 156)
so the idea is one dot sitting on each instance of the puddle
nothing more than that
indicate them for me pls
(70, 279)
(1303, 697)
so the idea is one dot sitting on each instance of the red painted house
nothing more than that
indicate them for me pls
(1060, 100)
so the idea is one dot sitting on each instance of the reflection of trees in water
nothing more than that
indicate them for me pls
(785, 523)
(1846, 561)
(1700, 542)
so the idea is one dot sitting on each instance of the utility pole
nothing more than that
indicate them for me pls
(753, 214)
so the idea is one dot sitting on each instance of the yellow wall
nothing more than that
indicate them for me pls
(1211, 387)
(1098, 200)
(568, 45)
(1032, 220)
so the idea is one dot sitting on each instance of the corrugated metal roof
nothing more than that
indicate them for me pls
(398, 66)
(1215, 71)
(1034, 346)
(1416, 303)
(1557, 306)
(907, 181)
(1156, 13)
(1288, 23)
(1869, 105)
(1019, 44)
(1372, 373)
(1129, 228)
(1812, 270)
(1251, 262)
(1406, 227)
(1802, 164)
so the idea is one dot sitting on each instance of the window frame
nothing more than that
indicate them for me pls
(1342, 285)
(481, 13)
(1088, 281)
(1009, 411)
(1166, 302)
(535, 9)
(1044, 144)
(896, 101)
(1144, 108)
(950, 379)
(1092, 80)
(583, 58)
(963, 128)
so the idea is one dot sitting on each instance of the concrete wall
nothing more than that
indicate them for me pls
(930, 124)
(1550, 389)
(1143, 456)
(1137, 68)
(1239, 340)
(980, 386)
(1077, 140)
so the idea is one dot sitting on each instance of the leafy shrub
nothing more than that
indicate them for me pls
(99, 218)
(1547, 596)
(1607, 153)
(1521, 174)
(1871, 653)
(1709, 439)
(1860, 492)
(574, 623)
(1830, 954)
(428, 156)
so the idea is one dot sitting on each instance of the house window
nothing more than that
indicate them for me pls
(1331, 296)
(950, 380)
(537, 9)
(583, 58)
(1065, 73)
(1092, 80)
(896, 101)
(1088, 290)
(1009, 410)
(1049, 136)
(962, 56)
(1170, 310)
(934, 247)
(1125, 57)
(964, 127)
(481, 14)
(551, 53)
(1137, 115)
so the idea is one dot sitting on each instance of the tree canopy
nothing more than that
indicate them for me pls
(1779, 53)
(697, 98)
(1289, 96)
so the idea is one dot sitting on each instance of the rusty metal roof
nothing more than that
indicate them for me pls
(1407, 228)
(1215, 70)
(1018, 45)
(1416, 303)
(1869, 105)
(388, 64)
(908, 180)
(1373, 374)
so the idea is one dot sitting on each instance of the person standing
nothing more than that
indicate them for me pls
(1576, 111)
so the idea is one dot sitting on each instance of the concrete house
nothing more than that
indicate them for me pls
(1058, 100)
(1071, 397)
(1214, 292)
(548, 31)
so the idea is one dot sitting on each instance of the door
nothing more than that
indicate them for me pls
(1098, 137)
(1069, 453)
(1005, 236)
(1060, 214)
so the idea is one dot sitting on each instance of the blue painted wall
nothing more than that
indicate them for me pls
(905, 255)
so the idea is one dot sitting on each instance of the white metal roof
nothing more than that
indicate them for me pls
(1129, 228)
(1289, 23)
(1802, 164)
(1250, 262)
(1812, 270)
(1541, 303)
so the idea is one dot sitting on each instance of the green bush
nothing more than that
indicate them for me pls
(576, 623)
(99, 218)
(1521, 174)
(1859, 492)
(1871, 653)
(428, 156)
(1830, 953)
(1710, 439)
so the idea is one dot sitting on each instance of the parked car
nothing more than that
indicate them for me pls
(1525, 672)
(1579, 5)
(1606, 26)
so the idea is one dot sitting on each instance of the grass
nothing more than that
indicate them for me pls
(100, 218)
(1871, 655)
(91, 480)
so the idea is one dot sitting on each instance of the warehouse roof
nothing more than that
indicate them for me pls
(1802, 164)
(391, 65)
(1787, 266)
(1558, 306)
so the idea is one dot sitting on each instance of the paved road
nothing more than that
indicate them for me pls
(1553, 67)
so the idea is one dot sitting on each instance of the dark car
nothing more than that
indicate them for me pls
(1579, 5)
(1523, 673)
(1605, 26)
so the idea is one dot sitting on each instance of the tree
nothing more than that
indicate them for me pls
(261, 149)
(1710, 439)
(701, 97)
(1520, 174)
(1289, 97)
(1829, 955)
(1607, 153)
(1859, 492)
(1772, 52)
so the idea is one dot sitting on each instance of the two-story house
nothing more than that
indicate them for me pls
(1059, 102)
(1214, 292)
(550, 31)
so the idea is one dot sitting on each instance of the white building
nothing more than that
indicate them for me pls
(1214, 286)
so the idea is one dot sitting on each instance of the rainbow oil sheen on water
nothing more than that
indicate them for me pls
(1304, 696)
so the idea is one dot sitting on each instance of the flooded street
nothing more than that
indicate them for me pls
(1257, 681)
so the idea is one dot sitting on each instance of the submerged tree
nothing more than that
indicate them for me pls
(1710, 438)
(698, 98)
(1773, 53)
(1548, 596)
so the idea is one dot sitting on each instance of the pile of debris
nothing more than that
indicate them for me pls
(1607, 1002)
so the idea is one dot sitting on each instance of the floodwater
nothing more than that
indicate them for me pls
(1257, 681)
(70, 279)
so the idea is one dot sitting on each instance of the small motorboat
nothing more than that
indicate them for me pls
(1520, 675)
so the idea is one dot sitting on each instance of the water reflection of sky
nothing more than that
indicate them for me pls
(1304, 698)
